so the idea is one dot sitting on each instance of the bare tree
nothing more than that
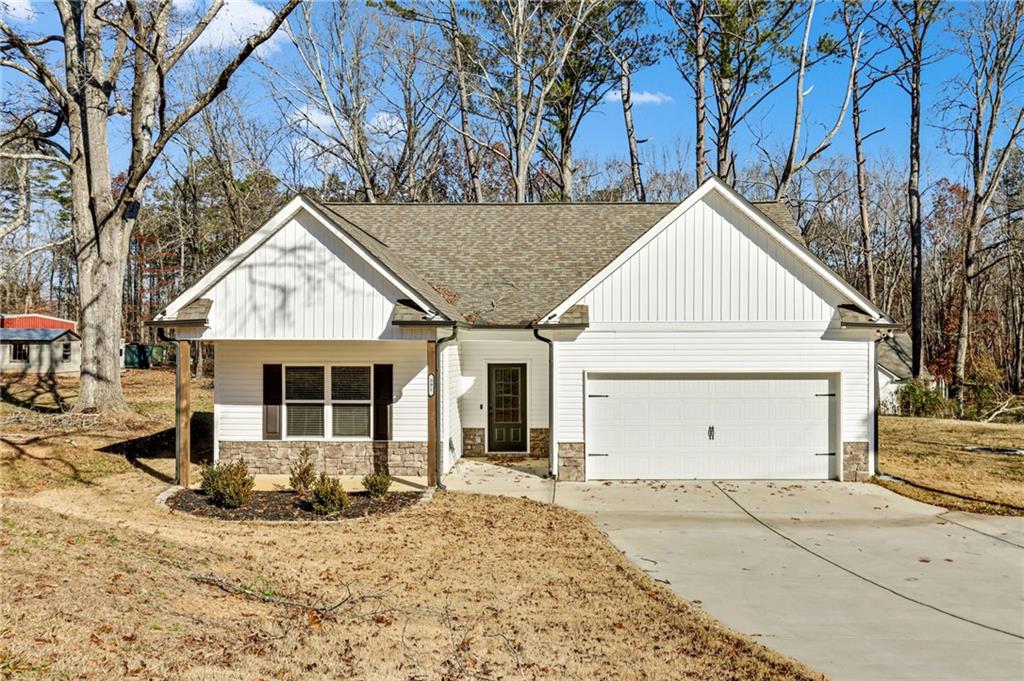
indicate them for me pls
(854, 16)
(794, 164)
(993, 43)
(630, 51)
(116, 61)
(907, 30)
(523, 49)
(690, 54)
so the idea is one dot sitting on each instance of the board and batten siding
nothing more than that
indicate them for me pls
(712, 263)
(482, 347)
(714, 293)
(303, 283)
(238, 381)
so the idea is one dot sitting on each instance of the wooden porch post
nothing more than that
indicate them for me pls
(431, 413)
(182, 414)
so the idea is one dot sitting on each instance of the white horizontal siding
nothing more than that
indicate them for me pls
(238, 380)
(712, 264)
(303, 283)
(451, 419)
(739, 351)
(478, 349)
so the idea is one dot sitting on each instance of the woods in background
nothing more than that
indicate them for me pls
(483, 101)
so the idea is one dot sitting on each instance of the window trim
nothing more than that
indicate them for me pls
(65, 352)
(327, 402)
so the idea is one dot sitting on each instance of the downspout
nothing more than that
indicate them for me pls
(551, 397)
(439, 445)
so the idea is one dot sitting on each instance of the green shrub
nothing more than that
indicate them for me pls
(328, 496)
(916, 398)
(302, 475)
(228, 484)
(377, 484)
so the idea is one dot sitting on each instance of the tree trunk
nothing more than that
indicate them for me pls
(914, 208)
(962, 335)
(700, 97)
(724, 132)
(626, 85)
(566, 169)
(101, 268)
(862, 195)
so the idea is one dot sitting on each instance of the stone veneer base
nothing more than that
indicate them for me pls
(474, 443)
(276, 457)
(571, 458)
(855, 462)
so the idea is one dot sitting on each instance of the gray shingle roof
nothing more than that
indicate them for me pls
(779, 213)
(894, 355)
(33, 335)
(498, 263)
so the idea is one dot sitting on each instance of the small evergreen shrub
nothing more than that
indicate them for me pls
(916, 398)
(302, 477)
(328, 496)
(229, 485)
(377, 484)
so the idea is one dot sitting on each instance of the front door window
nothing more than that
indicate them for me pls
(507, 430)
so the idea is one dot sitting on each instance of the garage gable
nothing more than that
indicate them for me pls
(715, 259)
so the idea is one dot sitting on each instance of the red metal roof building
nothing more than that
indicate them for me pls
(35, 321)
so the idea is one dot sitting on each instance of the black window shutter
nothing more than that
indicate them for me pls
(383, 396)
(272, 401)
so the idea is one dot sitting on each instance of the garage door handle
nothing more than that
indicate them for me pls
(595, 454)
(597, 396)
(711, 432)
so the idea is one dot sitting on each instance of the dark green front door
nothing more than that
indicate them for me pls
(506, 408)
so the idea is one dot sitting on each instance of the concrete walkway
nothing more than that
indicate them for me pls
(854, 580)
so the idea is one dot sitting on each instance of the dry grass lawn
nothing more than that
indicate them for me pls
(42, 447)
(931, 452)
(96, 582)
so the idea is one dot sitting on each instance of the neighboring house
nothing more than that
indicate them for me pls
(691, 340)
(895, 368)
(39, 351)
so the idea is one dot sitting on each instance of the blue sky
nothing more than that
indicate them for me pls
(664, 112)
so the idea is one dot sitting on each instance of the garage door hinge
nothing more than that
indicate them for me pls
(825, 454)
(825, 395)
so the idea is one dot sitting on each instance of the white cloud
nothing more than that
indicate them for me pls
(236, 22)
(312, 117)
(17, 10)
(641, 97)
(386, 123)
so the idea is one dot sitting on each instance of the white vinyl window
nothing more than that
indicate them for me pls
(304, 401)
(351, 391)
(328, 401)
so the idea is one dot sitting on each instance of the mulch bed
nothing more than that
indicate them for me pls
(286, 506)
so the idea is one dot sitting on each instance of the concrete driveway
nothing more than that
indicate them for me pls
(854, 580)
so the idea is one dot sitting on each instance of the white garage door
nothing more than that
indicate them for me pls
(665, 427)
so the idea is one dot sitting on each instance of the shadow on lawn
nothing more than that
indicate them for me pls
(138, 451)
(31, 388)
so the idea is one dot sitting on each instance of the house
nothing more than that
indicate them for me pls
(619, 341)
(895, 368)
(39, 351)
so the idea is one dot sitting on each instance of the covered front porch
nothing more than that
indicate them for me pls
(355, 407)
